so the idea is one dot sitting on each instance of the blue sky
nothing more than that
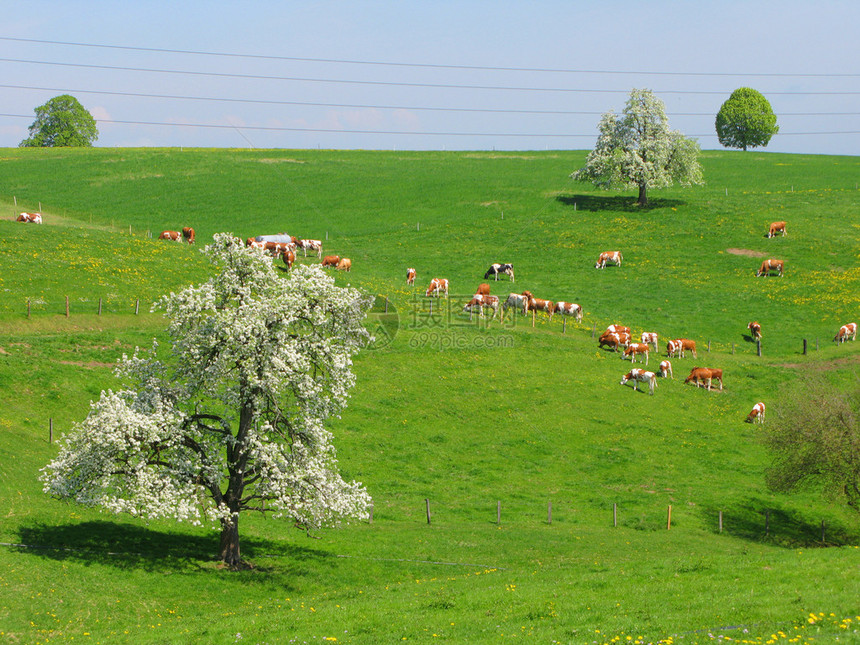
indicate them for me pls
(427, 75)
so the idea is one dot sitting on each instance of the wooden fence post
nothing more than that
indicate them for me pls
(50, 430)
(669, 518)
(427, 505)
(499, 513)
(709, 346)
(804, 347)
(593, 329)
(822, 531)
(136, 305)
(615, 515)
(733, 348)
(721, 521)
(386, 304)
(100, 306)
(758, 347)
(370, 519)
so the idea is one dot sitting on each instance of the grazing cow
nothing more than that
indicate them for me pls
(518, 301)
(437, 286)
(614, 340)
(410, 276)
(636, 348)
(277, 249)
(483, 289)
(666, 369)
(331, 260)
(30, 218)
(345, 264)
(618, 329)
(496, 269)
(569, 309)
(537, 304)
(175, 236)
(188, 234)
(756, 414)
(650, 337)
(254, 243)
(638, 375)
(755, 330)
(680, 347)
(845, 331)
(705, 375)
(770, 265)
(483, 302)
(289, 257)
(776, 227)
(673, 347)
(310, 245)
(609, 256)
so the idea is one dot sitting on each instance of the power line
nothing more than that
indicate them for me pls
(394, 83)
(422, 65)
(392, 132)
(370, 107)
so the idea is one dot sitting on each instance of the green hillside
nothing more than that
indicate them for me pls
(486, 421)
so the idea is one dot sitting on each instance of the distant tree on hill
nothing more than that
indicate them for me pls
(233, 419)
(637, 150)
(814, 438)
(746, 120)
(61, 122)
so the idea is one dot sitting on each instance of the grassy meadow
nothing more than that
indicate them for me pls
(491, 423)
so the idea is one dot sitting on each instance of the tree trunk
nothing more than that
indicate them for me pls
(643, 195)
(229, 552)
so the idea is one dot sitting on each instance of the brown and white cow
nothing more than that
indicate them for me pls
(174, 236)
(438, 286)
(410, 276)
(755, 330)
(30, 218)
(188, 234)
(289, 258)
(482, 302)
(673, 348)
(609, 256)
(618, 329)
(518, 301)
(770, 265)
(538, 304)
(483, 289)
(277, 249)
(777, 227)
(331, 260)
(846, 333)
(650, 337)
(705, 375)
(345, 264)
(638, 375)
(310, 245)
(254, 243)
(496, 269)
(569, 309)
(637, 348)
(666, 369)
(680, 346)
(614, 340)
(756, 414)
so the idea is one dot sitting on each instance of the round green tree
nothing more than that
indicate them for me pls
(746, 120)
(61, 122)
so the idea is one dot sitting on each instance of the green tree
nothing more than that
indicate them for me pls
(638, 150)
(746, 120)
(814, 439)
(61, 122)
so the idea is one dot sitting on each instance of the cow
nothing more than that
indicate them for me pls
(609, 256)
(777, 227)
(518, 301)
(705, 375)
(289, 257)
(188, 234)
(277, 249)
(650, 337)
(638, 375)
(496, 269)
(614, 340)
(410, 276)
(254, 243)
(437, 286)
(666, 369)
(845, 331)
(770, 265)
(569, 309)
(618, 328)
(481, 302)
(756, 414)
(673, 348)
(310, 245)
(175, 236)
(755, 330)
(30, 218)
(483, 289)
(331, 260)
(680, 347)
(345, 264)
(537, 304)
(636, 348)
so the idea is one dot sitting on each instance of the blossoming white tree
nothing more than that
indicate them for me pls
(637, 150)
(233, 419)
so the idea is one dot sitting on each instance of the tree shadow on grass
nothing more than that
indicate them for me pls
(623, 203)
(760, 521)
(126, 546)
